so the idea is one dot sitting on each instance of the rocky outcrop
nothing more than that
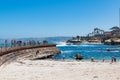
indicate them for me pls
(29, 53)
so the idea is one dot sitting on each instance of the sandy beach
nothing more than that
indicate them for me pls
(60, 70)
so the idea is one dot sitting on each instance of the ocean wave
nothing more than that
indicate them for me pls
(85, 45)
(63, 43)
(60, 43)
(69, 51)
(103, 51)
(113, 51)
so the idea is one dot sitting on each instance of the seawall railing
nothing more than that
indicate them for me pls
(9, 50)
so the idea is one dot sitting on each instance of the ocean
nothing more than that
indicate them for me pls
(98, 51)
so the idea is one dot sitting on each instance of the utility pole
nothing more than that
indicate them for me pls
(119, 17)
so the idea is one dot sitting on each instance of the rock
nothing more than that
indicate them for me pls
(78, 57)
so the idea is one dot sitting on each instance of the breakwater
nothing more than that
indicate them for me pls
(31, 52)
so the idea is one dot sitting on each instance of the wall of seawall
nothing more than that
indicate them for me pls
(29, 53)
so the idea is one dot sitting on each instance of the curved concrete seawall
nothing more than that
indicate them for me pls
(28, 52)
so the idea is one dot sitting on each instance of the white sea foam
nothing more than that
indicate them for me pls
(61, 43)
(69, 51)
(64, 44)
(113, 51)
(86, 45)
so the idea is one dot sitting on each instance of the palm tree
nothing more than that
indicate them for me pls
(92, 34)
(73, 38)
(88, 35)
(78, 37)
(115, 31)
(115, 28)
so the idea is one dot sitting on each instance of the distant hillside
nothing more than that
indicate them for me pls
(57, 38)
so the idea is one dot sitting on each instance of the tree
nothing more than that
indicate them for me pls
(73, 38)
(115, 30)
(78, 37)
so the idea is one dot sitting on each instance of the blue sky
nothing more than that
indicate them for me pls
(48, 18)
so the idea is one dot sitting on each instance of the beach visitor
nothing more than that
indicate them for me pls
(63, 57)
(24, 43)
(6, 44)
(53, 57)
(38, 43)
(103, 60)
(113, 59)
(92, 59)
(12, 43)
(37, 52)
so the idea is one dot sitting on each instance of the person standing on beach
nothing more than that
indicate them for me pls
(113, 59)
(103, 60)
(63, 57)
(92, 59)
(37, 52)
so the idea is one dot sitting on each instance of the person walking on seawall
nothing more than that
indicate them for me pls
(6, 44)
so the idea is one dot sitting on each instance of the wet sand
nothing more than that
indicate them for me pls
(60, 70)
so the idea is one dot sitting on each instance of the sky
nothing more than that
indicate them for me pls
(49, 18)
